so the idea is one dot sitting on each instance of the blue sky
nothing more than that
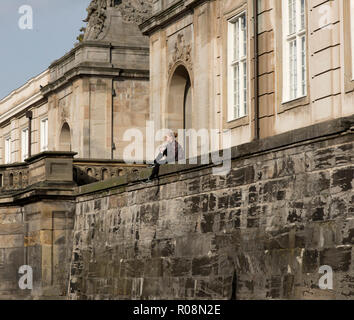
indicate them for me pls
(26, 53)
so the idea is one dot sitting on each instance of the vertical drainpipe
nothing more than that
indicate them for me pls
(29, 115)
(113, 147)
(256, 69)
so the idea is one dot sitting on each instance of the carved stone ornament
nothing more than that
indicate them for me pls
(136, 11)
(133, 11)
(182, 53)
(96, 18)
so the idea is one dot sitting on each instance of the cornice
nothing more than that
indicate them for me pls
(36, 99)
(168, 15)
(23, 87)
(92, 70)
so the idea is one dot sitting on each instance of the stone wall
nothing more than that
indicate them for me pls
(36, 225)
(261, 232)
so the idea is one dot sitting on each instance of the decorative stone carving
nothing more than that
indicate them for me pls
(96, 18)
(133, 11)
(182, 53)
(136, 11)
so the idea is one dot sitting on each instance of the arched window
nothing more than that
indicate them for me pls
(89, 172)
(104, 174)
(11, 180)
(65, 138)
(179, 113)
(180, 106)
(20, 179)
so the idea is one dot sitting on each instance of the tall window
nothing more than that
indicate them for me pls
(237, 67)
(352, 33)
(44, 135)
(294, 49)
(8, 150)
(24, 144)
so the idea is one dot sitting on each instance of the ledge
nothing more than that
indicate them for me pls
(98, 44)
(169, 14)
(51, 154)
(92, 69)
(107, 161)
(307, 134)
(13, 165)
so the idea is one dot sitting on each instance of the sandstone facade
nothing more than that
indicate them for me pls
(82, 219)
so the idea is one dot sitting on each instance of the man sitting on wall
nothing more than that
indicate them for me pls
(171, 152)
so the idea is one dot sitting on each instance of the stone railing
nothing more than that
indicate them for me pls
(13, 177)
(45, 168)
(88, 171)
(50, 168)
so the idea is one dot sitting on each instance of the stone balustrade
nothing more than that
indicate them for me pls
(88, 171)
(48, 168)
(13, 177)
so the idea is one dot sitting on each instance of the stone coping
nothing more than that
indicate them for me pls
(51, 154)
(92, 69)
(13, 165)
(298, 136)
(107, 161)
(98, 44)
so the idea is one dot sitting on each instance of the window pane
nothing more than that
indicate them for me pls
(302, 14)
(292, 16)
(44, 135)
(293, 69)
(303, 65)
(294, 49)
(24, 149)
(237, 41)
(244, 111)
(236, 90)
(8, 151)
(237, 82)
(244, 30)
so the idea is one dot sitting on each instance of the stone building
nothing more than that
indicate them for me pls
(203, 46)
(87, 98)
(262, 231)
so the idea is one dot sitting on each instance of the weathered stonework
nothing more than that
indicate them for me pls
(91, 230)
(182, 54)
(262, 231)
(101, 14)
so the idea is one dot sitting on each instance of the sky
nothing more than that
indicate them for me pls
(27, 53)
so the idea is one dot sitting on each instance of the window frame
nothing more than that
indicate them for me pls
(44, 134)
(348, 18)
(24, 143)
(351, 28)
(294, 36)
(236, 59)
(8, 150)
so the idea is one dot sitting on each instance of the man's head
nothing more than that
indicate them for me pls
(170, 136)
